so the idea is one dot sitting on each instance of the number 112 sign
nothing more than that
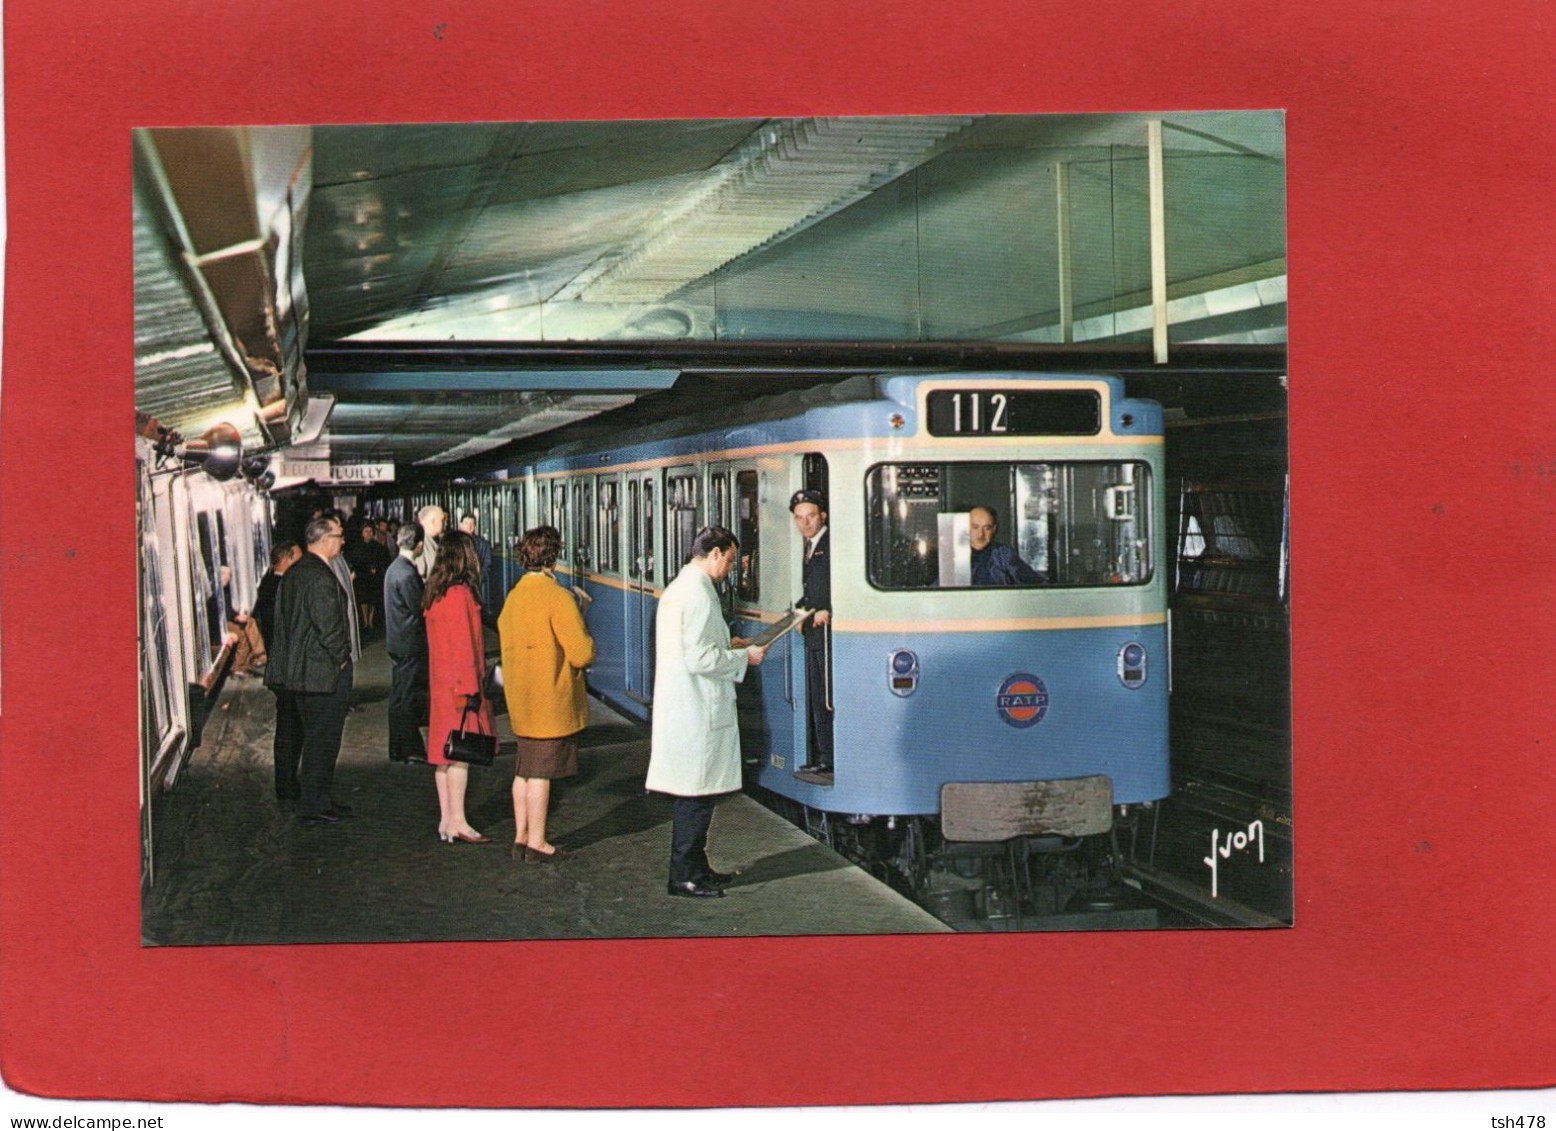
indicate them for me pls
(1014, 412)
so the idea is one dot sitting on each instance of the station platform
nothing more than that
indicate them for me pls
(234, 866)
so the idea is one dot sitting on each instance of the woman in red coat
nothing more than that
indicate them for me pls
(456, 670)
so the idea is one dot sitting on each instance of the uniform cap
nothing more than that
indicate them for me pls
(808, 496)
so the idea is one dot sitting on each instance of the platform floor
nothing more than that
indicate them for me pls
(234, 866)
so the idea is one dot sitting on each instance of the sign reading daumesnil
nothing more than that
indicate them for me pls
(1015, 412)
(361, 472)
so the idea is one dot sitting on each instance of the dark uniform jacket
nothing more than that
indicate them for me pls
(313, 635)
(998, 564)
(405, 629)
(818, 587)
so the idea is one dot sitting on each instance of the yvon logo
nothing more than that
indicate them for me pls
(1022, 700)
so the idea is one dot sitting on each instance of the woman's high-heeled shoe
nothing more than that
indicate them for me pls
(446, 838)
(535, 856)
(477, 839)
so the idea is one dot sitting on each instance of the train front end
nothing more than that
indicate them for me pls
(999, 653)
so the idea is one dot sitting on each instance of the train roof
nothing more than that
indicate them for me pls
(858, 389)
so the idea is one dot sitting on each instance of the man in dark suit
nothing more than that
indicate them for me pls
(311, 658)
(809, 509)
(405, 636)
(288, 743)
(282, 557)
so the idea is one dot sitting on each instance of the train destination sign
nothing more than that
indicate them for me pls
(1014, 412)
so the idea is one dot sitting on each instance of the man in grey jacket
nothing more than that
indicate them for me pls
(311, 659)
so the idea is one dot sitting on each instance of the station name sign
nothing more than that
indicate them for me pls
(326, 471)
(361, 472)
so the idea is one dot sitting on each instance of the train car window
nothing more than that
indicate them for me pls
(212, 604)
(646, 520)
(583, 516)
(748, 575)
(610, 526)
(815, 473)
(1055, 524)
(558, 508)
(260, 539)
(634, 533)
(516, 516)
(718, 501)
(682, 492)
(156, 654)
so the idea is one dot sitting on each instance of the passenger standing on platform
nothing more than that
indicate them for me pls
(432, 519)
(405, 637)
(342, 571)
(288, 743)
(809, 509)
(368, 560)
(282, 557)
(694, 753)
(545, 649)
(311, 659)
(483, 548)
(456, 654)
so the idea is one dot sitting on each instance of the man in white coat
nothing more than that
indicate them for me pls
(695, 751)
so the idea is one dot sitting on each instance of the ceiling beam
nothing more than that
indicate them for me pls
(435, 380)
(462, 365)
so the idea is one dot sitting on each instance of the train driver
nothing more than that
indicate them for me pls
(809, 509)
(994, 563)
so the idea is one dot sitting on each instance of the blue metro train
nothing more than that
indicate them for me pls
(963, 713)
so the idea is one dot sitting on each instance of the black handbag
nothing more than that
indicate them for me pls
(470, 746)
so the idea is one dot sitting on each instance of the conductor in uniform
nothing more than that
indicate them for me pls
(809, 509)
(694, 753)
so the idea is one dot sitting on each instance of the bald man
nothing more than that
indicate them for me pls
(992, 562)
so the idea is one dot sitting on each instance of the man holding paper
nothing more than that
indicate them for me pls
(694, 753)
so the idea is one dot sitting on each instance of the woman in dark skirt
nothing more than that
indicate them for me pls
(456, 671)
(545, 649)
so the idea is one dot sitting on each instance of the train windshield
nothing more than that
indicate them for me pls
(969, 525)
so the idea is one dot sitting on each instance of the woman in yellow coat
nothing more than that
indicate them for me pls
(545, 649)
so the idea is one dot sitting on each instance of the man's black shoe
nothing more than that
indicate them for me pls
(328, 817)
(695, 889)
(718, 879)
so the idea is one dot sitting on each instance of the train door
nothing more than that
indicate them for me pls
(605, 617)
(642, 559)
(580, 551)
(810, 666)
(511, 529)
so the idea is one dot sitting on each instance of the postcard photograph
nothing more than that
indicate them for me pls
(713, 527)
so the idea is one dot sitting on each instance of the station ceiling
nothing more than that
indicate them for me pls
(472, 285)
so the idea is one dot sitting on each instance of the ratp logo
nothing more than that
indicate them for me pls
(1022, 700)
